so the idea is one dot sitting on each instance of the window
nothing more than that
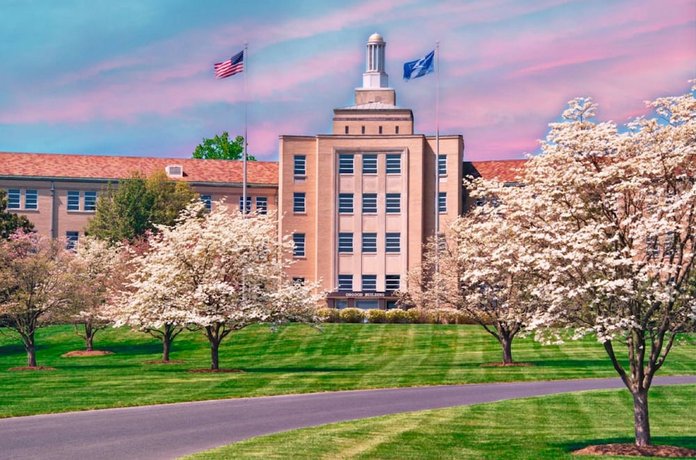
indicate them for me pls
(345, 163)
(669, 243)
(31, 199)
(13, 195)
(73, 200)
(345, 242)
(380, 130)
(362, 130)
(652, 247)
(392, 282)
(345, 282)
(346, 130)
(393, 242)
(442, 165)
(248, 205)
(261, 205)
(369, 242)
(299, 165)
(71, 240)
(298, 280)
(298, 240)
(367, 304)
(298, 202)
(369, 283)
(207, 202)
(442, 202)
(90, 200)
(396, 130)
(369, 203)
(393, 203)
(393, 163)
(345, 203)
(369, 163)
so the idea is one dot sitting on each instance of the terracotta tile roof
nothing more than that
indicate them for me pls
(503, 170)
(116, 167)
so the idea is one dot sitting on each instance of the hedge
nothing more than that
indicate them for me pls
(399, 316)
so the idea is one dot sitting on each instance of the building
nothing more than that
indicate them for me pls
(359, 203)
(58, 193)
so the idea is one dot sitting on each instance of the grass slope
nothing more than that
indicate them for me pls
(547, 427)
(297, 359)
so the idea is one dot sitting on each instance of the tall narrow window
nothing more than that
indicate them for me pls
(392, 282)
(369, 283)
(207, 202)
(369, 203)
(13, 196)
(442, 202)
(396, 130)
(345, 283)
(393, 163)
(73, 200)
(298, 202)
(393, 242)
(669, 243)
(380, 130)
(345, 163)
(71, 239)
(298, 240)
(90, 200)
(242, 207)
(345, 242)
(345, 203)
(369, 165)
(442, 165)
(31, 199)
(262, 205)
(346, 130)
(393, 203)
(362, 130)
(299, 165)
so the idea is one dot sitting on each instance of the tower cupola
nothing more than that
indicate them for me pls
(375, 77)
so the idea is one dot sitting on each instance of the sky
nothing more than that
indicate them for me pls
(135, 77)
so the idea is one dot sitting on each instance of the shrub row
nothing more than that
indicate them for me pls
(411, 316)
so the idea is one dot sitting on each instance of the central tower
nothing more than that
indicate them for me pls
(375, 87)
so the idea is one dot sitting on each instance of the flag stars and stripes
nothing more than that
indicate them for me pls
(230, 67)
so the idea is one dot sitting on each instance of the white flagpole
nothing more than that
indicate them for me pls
(244, 158)
(437, 173)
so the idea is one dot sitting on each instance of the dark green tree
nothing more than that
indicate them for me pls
(136, 205)
(10, 222)
(221, 147)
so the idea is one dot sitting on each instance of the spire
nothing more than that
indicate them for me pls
(374, 76)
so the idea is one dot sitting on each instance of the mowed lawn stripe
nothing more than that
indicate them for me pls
(295, 359)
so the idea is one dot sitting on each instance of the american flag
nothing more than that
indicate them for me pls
(232, 66)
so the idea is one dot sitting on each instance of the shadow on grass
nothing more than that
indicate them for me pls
(133, 349)
(679, 441)
(281, 370)
(11, 349)
(571, 363)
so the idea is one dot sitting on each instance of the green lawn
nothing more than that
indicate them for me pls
(297, 359)
(532, 428)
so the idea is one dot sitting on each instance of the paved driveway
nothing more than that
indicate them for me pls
(171, 430)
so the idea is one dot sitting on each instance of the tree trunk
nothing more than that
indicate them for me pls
(214, 346)
(30, 348)
(166, 346)
(89, 337)
(641, 419)
(506, 343)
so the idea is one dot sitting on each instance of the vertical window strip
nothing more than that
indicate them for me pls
(298, 202)
(442, 165)
(345, 283)
(369, 203)
(298, 240)
(13, 198)
(300, 165)
(392, 282)
(31, 199)
(71, 239)
(345, 203)
(442, 202)
(369, 165)
(345, 163)
(369, 283)
(90, 200)
(345, 242)
(262, 205)
(393, 242)
(369, 243)
(393, 163)
(248, 205)
(393, 203)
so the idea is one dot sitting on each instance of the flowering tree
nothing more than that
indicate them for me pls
(94, 273)
(612, 216)
(32, 281)
(220, 271)
(484, 270)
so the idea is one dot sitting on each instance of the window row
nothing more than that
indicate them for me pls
(369, 283)
(346, 129)
(392, 242)
(261, 203)
(14, 198)
(88, 198)
(392, 203)
(346, 163)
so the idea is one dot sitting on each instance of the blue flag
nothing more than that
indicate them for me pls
(419, 67)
